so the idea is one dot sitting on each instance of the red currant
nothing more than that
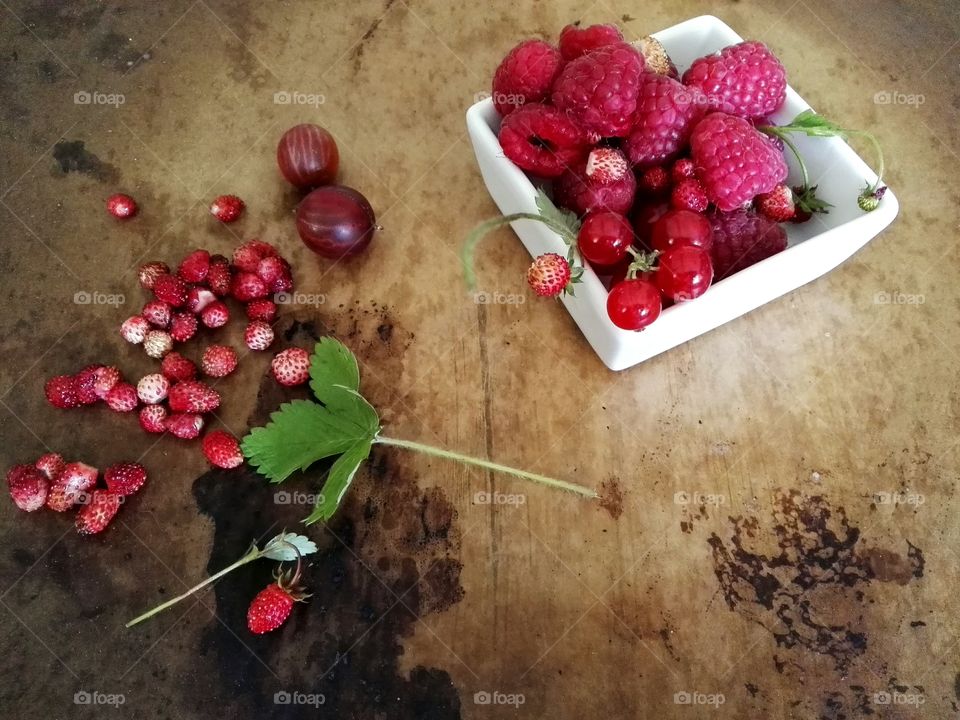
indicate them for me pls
(681, 227)
(604, 238)
(633, 304)
(644, 216)
(684, 273)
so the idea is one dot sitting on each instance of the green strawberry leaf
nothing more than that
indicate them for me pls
(279, 548)
(338, 481)
(331, 364)
(559, 218)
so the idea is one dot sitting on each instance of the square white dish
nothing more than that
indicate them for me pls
(815, 247)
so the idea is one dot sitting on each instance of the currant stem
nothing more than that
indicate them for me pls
(469, 460)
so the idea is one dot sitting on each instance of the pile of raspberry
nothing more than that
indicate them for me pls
(618, 130)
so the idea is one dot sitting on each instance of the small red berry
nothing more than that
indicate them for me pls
(134, 329)
(106, 378)
(227, 208)
(183, 326)
(198, 298)
(193, 396)
(634, 304)
(125, 478)
(222, 449)
(149, 273)
(194, 267)
(654, 180)
(681, 227)
(265, 310)
(549, 274)
(121, 206)
(684, 273)
(688, 194)
(258, 335)
(291, 367)
(122, 397)
(777, 205)
(86, 385)
(28, 487)
(219, 276)
(153, 388)
(157, 343)
(98, 512)
(272, 605)
(683, 169)
(247, 257)
(215, 315)
(157, 313)
(61, 391)
(71, 485)
(50, 465)
(171, 289)
(604, 238)
(219, 361)
(247, 286)
(153, 418)
(185, 426)
(176, 367)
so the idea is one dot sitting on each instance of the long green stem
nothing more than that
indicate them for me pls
(793, 148)
(249, 557)
(469, 460)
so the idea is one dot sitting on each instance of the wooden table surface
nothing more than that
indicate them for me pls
(779, 535)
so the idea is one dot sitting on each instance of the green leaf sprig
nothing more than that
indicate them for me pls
(563, 222)
(285, 547)
(342, 423)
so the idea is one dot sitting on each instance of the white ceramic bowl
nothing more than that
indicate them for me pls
(815, 247)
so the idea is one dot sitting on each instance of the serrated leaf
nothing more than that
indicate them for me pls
(298, 434)
(560, 217)
(351, 407)
(338, 481)
(279, 547)
(332, 364)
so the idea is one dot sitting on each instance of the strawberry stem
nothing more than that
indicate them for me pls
(497, 467)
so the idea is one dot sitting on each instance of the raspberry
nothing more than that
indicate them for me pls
(599, 89)
(576, 41)
(183, 326)
(291, 367)
(688, 194)
(734, 161)
(525, 75)
(666, 114)
(604, 181)
(61, 392)
(157, 313)
(153, 418)
(742, 238)
(542, 140)
(222, 449)
(549, 274)
(264, 310)
(176, 367)
(194, 267)
(219, 361)
(745, 80)
(258, 335)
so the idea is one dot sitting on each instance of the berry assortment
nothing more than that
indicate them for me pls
(662, 182)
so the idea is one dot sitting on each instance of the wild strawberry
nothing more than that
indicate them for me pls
(28, 487)
(170, 289)
(193, 268)
(248, 286)
(291, 367)
(70, 486)
(682, 169)
(157, 313)
(272, 605)
(227, 208)
(122, 397)
(50, 465)
(688, 194)
(219, 361)
(61, 391)
(125, 478)
(549, 274)
(183, 326)
(215, 315)
(157, 343)
(153, 388)
(186, 426)
(106, 378)
(258, 335)
(176, 367)
(198, 298)
(94, 517)
(86, 385)
(270, 269)
(222, 449)
(193, 396)
(265, 310)
(219, 275)
(149, 273)
(134, 329)
(777, 205)
(247, 257)
(121, 206)
(654, 180)
(152, 418)
(284, 282)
